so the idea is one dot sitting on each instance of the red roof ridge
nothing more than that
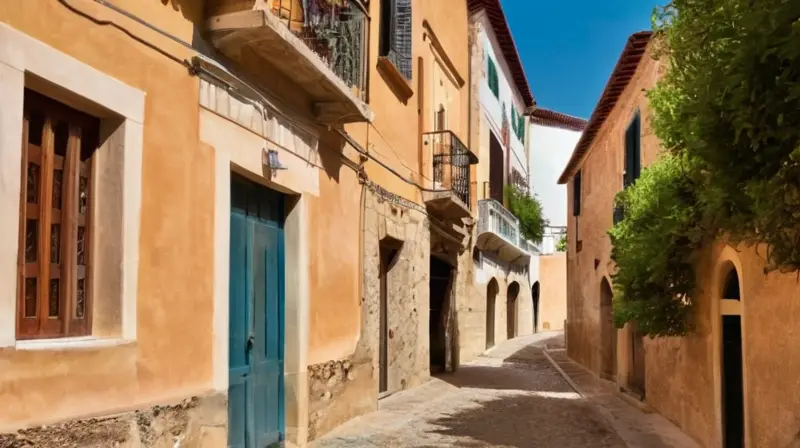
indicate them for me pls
(548, 117)
(623, 72)
(505, 39)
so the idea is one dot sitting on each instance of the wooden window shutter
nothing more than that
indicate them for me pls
(633, 152)
(576, 195)
(494, 81)
(54, 258)
(396, 37)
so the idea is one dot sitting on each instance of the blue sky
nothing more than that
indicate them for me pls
(569, 48)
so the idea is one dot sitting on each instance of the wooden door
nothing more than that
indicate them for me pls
(637, 379)
(256, 341)
(496, 169)
(732, 383)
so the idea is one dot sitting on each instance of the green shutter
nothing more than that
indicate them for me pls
(514, 120)
(494, 84)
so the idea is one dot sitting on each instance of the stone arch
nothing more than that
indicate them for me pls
(492, 289)
(728, 328)
(608, 331)
(511, 309)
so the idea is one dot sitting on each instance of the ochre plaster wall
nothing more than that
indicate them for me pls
(174, 305)
(347, 221)
(552, 291)
(601, 173)
(682, 374)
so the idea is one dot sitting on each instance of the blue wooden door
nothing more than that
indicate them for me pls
(255, 395)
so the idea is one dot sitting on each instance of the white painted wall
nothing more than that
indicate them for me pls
(491, 105)
(551, 148)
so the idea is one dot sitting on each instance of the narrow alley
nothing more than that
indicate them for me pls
(511, 396)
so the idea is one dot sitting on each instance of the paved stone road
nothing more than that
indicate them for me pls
(510, 397)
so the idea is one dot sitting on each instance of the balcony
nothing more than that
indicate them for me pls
(320, 45)
(449, 166)
(498, 232)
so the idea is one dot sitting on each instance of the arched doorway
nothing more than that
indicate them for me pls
(535, 296)
(731, 362)
(511, 310)
(491, 295)
(608, 331)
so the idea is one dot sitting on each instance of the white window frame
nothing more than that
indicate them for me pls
(20, 57)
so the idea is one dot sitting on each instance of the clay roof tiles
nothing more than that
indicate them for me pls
(547, 117)
(497, 18)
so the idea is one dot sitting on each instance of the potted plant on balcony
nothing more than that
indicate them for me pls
(527, 208)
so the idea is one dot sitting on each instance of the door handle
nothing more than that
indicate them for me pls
(250, 342)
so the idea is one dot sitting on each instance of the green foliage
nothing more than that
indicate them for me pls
(727, 111)
(730, 101)
(528, 210)
(561, 245)
(653, 247)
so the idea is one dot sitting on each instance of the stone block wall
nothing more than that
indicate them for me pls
(196, 422)
(343, 389)
(472, 306)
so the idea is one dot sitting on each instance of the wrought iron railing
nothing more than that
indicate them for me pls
(336, 30)
(451, 163)
(493, 217)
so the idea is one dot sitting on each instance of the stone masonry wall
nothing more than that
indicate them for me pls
(195, 422)
(343, 389)
(472, 307)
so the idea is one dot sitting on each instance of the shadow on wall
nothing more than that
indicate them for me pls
(191, 10)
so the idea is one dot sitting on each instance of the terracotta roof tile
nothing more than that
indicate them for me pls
(547, 117)
(497, 18)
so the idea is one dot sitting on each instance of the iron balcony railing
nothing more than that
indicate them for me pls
(493, 217)
(451, 163)
(336, 30)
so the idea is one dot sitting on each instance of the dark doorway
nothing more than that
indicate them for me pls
(496, 169)
(441, 281)
(608, 331)
(637, 377)
(511, 310)
(389, 249)
(732, 370)
(491, 298)
(535, 295)
(732, 382)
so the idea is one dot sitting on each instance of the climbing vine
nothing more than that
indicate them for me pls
(727, 112)
(654, 247)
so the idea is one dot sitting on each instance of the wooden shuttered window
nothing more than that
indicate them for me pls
(395, 38)
(633, 151)
(54, 257)
(491, 75)
(576, 195)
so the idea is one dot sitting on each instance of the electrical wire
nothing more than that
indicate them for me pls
(270, 102)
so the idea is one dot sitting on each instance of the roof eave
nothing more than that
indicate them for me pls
(624, 70)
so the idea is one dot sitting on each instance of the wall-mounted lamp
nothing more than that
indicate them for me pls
(271, 160)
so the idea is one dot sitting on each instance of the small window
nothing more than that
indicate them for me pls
(633, 151)
(494, 81)
(441, 119)
(576, 195)
(55, 259)
(395, 38)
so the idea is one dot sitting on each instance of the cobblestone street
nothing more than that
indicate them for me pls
(509, 397)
